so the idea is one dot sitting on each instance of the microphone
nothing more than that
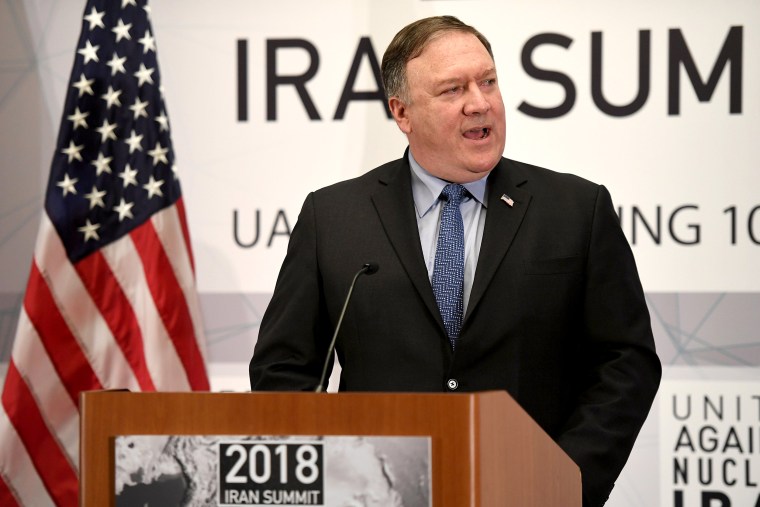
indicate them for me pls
(370, 268)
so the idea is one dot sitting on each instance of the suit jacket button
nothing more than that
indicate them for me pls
(452, 384)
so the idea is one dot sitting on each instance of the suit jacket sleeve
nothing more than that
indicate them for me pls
(294, 333)
(622, 371)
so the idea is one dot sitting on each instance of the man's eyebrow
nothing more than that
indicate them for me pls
(457, 79)
(488, 71)
(448, 81)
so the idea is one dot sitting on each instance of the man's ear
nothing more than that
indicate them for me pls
(400, 113)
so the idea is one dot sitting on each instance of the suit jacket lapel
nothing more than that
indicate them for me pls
(395, 207)
(502, 224)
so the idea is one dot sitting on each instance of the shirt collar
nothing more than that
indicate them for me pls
(426, 188)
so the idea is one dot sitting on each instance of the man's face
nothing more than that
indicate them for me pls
(454, 119)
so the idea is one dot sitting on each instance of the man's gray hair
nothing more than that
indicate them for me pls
(410, 42)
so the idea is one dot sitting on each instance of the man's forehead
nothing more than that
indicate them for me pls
(449, 37)
(453, 67)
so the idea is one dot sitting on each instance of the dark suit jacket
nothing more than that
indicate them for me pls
(556, 316)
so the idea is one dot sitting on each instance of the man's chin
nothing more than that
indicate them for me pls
(483, 165)
(469, 173)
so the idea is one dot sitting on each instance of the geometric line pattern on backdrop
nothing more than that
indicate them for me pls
(22, 65)
(232, 321)
(701, 329)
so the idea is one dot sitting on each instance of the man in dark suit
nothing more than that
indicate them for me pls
(544, 300)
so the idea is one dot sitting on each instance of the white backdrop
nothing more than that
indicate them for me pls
(691, 179)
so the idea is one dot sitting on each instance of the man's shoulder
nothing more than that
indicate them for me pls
(368, 181)
(534, 176)
(549, 188)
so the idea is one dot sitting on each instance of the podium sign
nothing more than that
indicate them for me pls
(229, 470)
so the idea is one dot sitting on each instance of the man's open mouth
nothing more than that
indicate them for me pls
(478, 133)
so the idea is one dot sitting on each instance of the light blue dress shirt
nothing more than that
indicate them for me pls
(426, 190)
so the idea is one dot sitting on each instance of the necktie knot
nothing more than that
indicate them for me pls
(454, 193)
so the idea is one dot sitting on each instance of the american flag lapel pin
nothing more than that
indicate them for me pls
(508, 200)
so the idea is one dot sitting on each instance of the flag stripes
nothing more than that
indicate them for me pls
(61, 346)
(85, 320)
(118, 314)
(185, 233)
(166, 368)
(6, 497)
(170, 301)
(171, 227)
(25, 483)
(52, 465)
(54, 403)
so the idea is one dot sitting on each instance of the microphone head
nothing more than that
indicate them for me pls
(371, 268)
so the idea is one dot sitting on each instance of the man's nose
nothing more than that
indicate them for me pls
(475, 100)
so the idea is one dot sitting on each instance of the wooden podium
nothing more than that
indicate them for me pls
(486, 451)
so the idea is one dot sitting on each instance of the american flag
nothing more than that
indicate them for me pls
(110, 301)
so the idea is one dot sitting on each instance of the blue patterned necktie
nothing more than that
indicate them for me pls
(448, 270)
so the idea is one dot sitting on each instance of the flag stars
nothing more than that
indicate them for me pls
(95, 19)
(84, 85)
(129, 176)
(117, 64)
(124, 209)
(102, 164)
(107, 131)
(159, 154)
(78, 118)
(96, 197)
(162, 121)
(148, 42)
(134, 141)
(138, 108)
(111, 97)
(73, 151)
(89, 52)
(144, 75)
(90, 231)
(67, 184)
(154, 187)
(122, 31)
(112, 166)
